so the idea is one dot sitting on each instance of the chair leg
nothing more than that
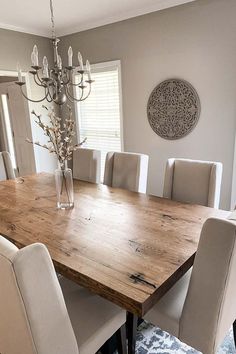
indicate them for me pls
(132, 323)
(234, 331)
(121, 340)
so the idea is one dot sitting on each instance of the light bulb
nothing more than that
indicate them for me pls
(36, 55)
(80, 61)
(70, 55)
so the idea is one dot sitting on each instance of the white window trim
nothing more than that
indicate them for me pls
(99, 67)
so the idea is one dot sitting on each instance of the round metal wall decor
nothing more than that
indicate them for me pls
(173, 109)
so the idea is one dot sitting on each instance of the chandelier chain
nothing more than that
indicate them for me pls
(52, 20)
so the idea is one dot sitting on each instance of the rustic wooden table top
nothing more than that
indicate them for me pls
(130, 248)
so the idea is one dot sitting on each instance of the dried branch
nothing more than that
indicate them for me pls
(60, 139)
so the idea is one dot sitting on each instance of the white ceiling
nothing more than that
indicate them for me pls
(71, 16)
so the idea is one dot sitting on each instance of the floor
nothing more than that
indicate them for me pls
(152, 340)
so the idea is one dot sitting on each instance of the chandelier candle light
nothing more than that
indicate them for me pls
(57, 81)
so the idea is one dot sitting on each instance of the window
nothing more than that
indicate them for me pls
(99, 116)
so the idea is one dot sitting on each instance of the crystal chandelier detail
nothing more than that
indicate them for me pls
(58, 81)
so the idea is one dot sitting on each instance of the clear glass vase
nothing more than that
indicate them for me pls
(64, 187)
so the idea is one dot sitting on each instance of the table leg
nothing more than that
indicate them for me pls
(234, 332)
(132, 323)
(121, 340)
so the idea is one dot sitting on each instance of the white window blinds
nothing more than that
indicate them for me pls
(99, 116)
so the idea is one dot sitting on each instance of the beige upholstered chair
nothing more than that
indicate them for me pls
(126, 170)
(193, 181)
(201, 307)
(34, 317)
(87, 165)
(6, 169)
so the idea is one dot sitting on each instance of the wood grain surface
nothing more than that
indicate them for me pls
(127, 247)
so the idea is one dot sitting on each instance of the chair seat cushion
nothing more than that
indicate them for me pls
(93, 318)
(167, 312)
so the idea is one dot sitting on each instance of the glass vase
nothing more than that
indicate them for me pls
(64, 187)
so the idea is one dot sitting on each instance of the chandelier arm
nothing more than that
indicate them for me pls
(82, 94)
(70, 97)
(51, 97)
(75, 85)
(81, 80)
(83, 90)
(48, 95)
(38, 83)
(37, 74)
(89, 91)
(48, 100)
(70, 83)
(34, 101)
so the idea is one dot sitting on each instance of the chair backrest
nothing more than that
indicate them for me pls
(126, 170)
(6, 168)
(87, 165)
(34, 318)
(193, 181)
(210, 306)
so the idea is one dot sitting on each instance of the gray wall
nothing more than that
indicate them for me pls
(17, 47)
(196, 42)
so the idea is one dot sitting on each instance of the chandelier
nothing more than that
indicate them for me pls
(58, 81)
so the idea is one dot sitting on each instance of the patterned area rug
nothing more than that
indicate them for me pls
(152, 340)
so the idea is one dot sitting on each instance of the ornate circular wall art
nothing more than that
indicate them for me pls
(173, 109)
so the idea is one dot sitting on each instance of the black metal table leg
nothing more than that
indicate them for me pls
(132, 323)
(234, 332)
(121, 340)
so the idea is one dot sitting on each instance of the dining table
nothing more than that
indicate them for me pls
(127, 247)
